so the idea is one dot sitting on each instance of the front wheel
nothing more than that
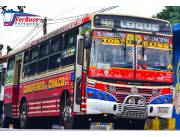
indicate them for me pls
(66, 118)
(4, 123)
(70, 121)
(23, 116)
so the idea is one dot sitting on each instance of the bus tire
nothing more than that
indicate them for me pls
(23, 116)
(66, 117)
(4, 123)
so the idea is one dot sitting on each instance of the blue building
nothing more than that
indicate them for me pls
(176, 39)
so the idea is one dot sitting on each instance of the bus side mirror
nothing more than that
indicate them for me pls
(87, 44)
(80, 52)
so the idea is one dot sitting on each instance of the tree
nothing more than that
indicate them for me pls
(170, 13)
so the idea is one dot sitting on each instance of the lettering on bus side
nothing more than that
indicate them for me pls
(43, 85)
(34, 87)
(57, 82)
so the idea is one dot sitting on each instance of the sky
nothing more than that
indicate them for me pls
(55, 9)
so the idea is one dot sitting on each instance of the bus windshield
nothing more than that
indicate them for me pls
(105, 56)
(123, 55)
(155, 59)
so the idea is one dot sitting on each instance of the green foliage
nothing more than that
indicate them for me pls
(170, 13)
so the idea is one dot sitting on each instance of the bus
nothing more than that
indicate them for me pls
(101, 67)
(176, 97)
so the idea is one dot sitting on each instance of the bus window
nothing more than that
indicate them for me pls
(44, 49)
(68, 55)
(10, 64)
(70, 39)
(33, 54)
(25, 70)
(54, 59)
(42, 65)
(26, 57)
(31, 68)
(43, 57)
(56, 45)
(25, 66)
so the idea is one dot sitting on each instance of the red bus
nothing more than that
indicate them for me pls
(101, 67)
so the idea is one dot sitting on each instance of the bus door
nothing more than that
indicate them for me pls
(17, 72)
(78, 74)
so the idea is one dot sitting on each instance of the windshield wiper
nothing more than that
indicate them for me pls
(143, 51)
(124, 48)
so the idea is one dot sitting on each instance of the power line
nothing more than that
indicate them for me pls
(34, 35)
(60, 21)
(64, 12)
(63, 19)
(98, 11)
(31, 37)
(27, 36)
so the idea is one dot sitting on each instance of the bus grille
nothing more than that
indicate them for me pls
(122, 92)
(132, 111)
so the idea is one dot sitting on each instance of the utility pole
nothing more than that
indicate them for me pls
(45, 26)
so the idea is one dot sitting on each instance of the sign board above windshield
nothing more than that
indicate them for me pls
(130, 39)
(132, 23)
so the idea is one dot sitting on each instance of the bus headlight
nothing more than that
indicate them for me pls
(166, 100)
(155, 92)
(158, 100)
(131, 101)
(107, 97)
(112, 89)
(99, 95)
(141, 102)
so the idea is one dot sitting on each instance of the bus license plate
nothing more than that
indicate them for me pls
(163, 109)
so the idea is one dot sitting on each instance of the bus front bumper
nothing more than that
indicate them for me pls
(160, 110)
(120, 110)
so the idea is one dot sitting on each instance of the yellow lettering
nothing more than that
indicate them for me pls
(34, 87)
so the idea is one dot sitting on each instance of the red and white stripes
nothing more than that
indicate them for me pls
(48, 107)
(15, 110)
(83, 104)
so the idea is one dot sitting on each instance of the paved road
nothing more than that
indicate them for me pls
(56, 127)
